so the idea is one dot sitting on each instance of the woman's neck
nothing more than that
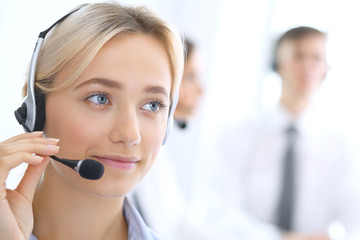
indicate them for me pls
(63, 212)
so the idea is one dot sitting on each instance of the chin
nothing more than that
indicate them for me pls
(109, 186)
(115, 190)
(115, 187)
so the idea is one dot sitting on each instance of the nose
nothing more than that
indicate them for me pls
(199, 88)
(125, 128)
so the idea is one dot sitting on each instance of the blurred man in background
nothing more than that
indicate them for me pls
(288, 168)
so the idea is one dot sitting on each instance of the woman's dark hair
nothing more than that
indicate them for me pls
(188, 47)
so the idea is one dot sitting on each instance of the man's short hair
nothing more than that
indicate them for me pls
(294, 34)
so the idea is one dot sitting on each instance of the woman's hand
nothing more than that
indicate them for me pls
(16, 215)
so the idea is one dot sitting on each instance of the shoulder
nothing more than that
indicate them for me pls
(243, 131)
(154, 236)
(257, 121)
(137, 228)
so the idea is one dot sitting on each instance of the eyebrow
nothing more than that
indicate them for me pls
(157, 89)
(114, 84)
(102, 81)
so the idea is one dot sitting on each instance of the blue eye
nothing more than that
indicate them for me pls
(99, 98)
(154, 106)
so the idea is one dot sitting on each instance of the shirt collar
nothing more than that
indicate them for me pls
(137, 227)
(314, 120)
(284, 119)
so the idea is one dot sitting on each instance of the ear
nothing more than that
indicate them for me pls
(31, 111)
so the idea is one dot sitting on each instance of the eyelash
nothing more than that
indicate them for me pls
(98, 94)
(159, 102)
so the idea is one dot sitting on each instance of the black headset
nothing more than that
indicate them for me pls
(31, 114)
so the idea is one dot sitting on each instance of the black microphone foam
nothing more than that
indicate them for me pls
(88, 168)
(181, 123)
(91, 169)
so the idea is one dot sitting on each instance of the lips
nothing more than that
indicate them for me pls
(119, 162)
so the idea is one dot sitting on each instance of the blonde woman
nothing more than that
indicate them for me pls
(108, 76)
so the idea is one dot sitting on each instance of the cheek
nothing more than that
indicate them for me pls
(295, 68)
(75, 130)
(322, 69)
(294, 73)
(152, 136)
(153, 132)
(186, 92)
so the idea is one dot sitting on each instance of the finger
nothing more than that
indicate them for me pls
(31, 145)
(24, 135)
(36, 145)
(16, 159)
(35, 140)
(25, 154)
(31, 178)
(8, 162)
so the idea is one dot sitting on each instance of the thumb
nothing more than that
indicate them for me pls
(31, 178)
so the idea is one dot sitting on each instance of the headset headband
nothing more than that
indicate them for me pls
(31, 114)
(28, 115)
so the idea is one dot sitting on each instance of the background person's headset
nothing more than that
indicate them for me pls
(31, 114)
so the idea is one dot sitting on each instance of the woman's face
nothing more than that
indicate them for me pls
(116, 113)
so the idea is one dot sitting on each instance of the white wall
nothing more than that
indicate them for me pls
(241, 80)
(235, 38)
(20, 24)
(339, 94)
(21, 21)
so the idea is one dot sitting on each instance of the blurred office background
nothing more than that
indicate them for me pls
(235, 38)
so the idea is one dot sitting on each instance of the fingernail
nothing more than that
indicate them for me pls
(53, 146)
(53, 140)
(37, 132)
(38, 157)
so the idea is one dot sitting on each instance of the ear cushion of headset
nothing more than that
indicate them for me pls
(40, 111)
(20, 113)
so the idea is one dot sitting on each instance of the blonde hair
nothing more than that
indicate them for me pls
(78, 39)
